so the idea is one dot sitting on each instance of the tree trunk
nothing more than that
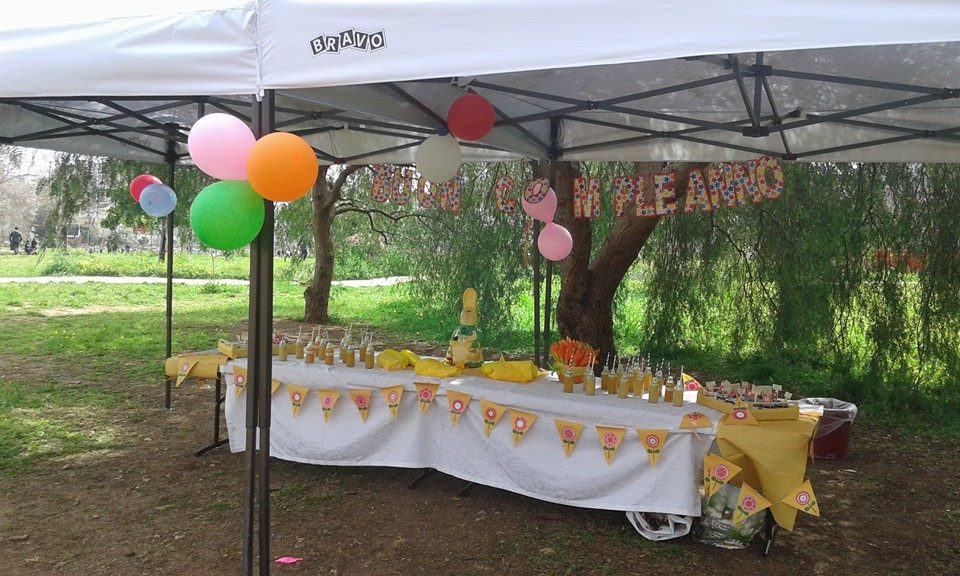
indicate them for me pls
(317, 295)
(587, 289)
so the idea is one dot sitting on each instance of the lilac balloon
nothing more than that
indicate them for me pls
(543, 210)
(554, 242)
(219, 145)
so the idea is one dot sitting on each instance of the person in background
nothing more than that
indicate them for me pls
(15, 239)
(32, 245)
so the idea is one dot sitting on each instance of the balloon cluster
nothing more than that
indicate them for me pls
(470, 118)
(539, 201)
(280, 167)
(156, 198)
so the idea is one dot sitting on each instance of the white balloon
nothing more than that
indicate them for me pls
(438, 158)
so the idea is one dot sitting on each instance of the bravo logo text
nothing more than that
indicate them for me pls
(351, 39)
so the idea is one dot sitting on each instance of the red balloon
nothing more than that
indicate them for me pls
(140, 182)
(471, 117)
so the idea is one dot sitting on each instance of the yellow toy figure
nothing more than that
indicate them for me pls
(465, 347)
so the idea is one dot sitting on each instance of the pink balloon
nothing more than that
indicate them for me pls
(554, 242)
(543, 210)
(219, 145)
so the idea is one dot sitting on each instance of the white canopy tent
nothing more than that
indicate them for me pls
(366, 81)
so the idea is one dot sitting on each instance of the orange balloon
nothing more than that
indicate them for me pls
(282, 167)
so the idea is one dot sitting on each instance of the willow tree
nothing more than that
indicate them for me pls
(591, 275)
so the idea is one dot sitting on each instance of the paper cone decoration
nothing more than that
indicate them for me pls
(328, 399)
(392, 397)
(689, 382)
(298, 395)
(522, 421)
(610, 439)
(492, 413)
(426, 392)
(569, 434)
(274, 384)
(716, 473)
(750, 503)
(653, 442)
(458, 404)
(803, 499)
(694, 420)
(361, 399)
(185, 367)
(239, 380)
(740, 415)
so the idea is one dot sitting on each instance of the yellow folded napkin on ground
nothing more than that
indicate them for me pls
(511, 370)
(411, 357)
(390, 359)
(435, 368)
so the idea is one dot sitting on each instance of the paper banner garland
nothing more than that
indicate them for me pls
(803, 499)
(522, 421)
(653, 441)
(361, 399)
(184, 372)
(458, 405)
(426, 392)
(741, 415)
(694, 420)
(274, 386)
(492, 413)
(689, 382)
(392, 397)
(749, 503)
(239, 379)
(298, 395)
(569, 434)
(328, 399)
(610, 439)
(716, 472)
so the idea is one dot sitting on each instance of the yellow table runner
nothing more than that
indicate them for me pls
(773, 456)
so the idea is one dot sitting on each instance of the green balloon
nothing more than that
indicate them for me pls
(227, 215)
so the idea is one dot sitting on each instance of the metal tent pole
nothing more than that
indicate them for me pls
(171, 159)
(536, 293)
(259, 371)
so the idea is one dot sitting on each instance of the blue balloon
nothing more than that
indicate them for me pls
(158, 200)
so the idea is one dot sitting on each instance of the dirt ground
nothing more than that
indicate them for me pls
(148, 506)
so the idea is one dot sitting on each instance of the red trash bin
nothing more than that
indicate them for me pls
(835, 429)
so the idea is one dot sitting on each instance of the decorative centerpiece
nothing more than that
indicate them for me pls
(572, 358)
(465, 348)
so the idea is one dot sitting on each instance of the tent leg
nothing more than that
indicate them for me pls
(548, 288)
(536, 295)
(171, 173)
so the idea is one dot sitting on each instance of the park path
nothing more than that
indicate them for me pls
(389, 281)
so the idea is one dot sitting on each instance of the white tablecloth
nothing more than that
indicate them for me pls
(537, 467)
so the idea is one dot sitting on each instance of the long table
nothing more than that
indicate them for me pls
(536, 467)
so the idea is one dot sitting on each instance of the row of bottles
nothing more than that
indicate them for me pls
(316, 347)
(636, 379)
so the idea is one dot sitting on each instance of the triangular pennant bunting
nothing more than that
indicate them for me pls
(610, 439)
(426, 392)
(184, 372)
(492, 413)
(569, 434)
(328, 399)
(653, 441)
(717, 472)
(458, 402)
(689, 382)
(298, 395)
(274, 385)
(803, 499)
(239, 379)
(749, 503)
(392, 397)
(522, 421)
(361, 399)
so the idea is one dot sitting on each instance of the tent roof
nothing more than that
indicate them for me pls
(645, 80)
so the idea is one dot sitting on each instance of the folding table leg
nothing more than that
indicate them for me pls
(770, 529)
(166, 397)
(423, 476)
(463, 491)
(218, 401)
